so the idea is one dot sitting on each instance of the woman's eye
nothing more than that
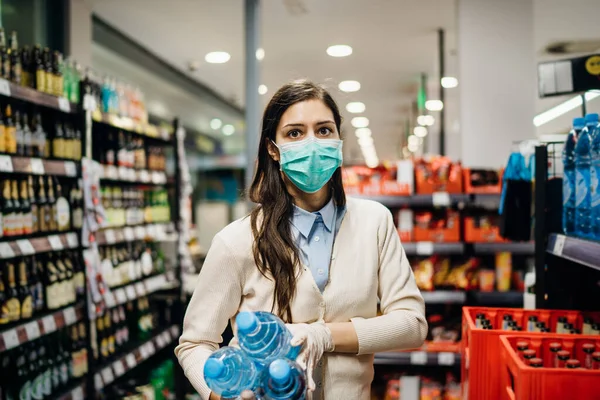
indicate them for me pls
(325, 131)
(294, 134)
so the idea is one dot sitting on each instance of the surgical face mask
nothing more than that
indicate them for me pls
(310, 163)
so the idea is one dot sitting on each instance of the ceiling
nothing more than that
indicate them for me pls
(393, 42)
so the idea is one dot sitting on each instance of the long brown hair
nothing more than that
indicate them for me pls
(274, 250)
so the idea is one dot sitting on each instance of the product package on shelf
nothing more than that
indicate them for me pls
(438, 174)
(396, 180)
(438, 226)
(482, 229)
(482, 181)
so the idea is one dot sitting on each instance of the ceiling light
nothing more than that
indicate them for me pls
(365, 142)
(362, 132)
(449, 82)
(414, 140)
(260, 54)
(412, 147)
(420, 131)
(434, 105)
(262, 89)
(215, 123)
(425, 120)
(355, 107)
(562, 108)
(217, 57)
(339, 50)
(349, 86)
(228, 130)
(360, 122)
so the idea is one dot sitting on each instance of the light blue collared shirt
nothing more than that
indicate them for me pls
(314, 233)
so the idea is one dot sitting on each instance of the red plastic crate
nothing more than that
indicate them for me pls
(522, 382)
(480, 349)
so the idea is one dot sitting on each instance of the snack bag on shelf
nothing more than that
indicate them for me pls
(464, 276)
(423, 271)
(503, 271)
(441, 271)
(431, 390)
(438, 174)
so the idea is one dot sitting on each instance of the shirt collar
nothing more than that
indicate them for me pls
(304, 220)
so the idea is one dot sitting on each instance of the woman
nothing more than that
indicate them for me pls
(318, 260)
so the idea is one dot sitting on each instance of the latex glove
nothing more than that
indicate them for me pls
(247, 395)
(316, 340)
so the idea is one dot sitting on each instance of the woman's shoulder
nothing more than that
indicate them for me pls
(361, 207)
(238, 233)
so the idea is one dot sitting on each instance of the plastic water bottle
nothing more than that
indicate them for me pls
(594, 180)
(264, 337)
(284, 380)
(568, 157)
(583, 195)
(228, 372)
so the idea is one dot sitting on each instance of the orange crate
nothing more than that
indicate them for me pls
(481, 233)
(480, 349)
(427, 229)
(522, 382)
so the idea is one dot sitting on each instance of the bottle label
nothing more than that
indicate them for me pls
(111, 344)
(2, 138)
(10, 140)
(40, 77)
(34, 219)
(594, 186)
(567, 188)
(582, 192)
(104, 348)
(47, 384)
(27, 223)
(4, 314)
(27, 308)
(25, 392)
(37, 387)
(14, 309)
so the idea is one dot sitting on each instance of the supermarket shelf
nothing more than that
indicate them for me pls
(444, 297)
(147, 130)
(75, 393)
(27, 247)
(429, 248)
(496, 299)
(448, 359)
(441, 199)
(129, 234)
(131, 360)
(37, 166)
(40, 326)
(31, 95)
(526, 248)
(122, 174)
(581, 251)
(136, 290)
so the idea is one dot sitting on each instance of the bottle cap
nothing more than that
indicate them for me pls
(573, 364)
(596, 356)
(246, 321)
(213, 368)
(529, 354)
(588, 348)
(592, 117)
(522, 345)
(279, 370)
(564, 355)
(532, 318)
(507, 317)
(536, 362)
(578, 122)
(555, 346)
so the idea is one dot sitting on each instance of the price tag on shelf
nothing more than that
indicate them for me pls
(37, 166)
(118, 367)
(130, 359)
(70, 316)
(26, 247)
(55, 242)
(6, 251)
(151, 348)
(89, 102)
(109, 236)
(446, 358)
(49, 324)
(33, 330)
(424, 248)
(98, 382)
(64, 105)
(144, 176)
(441, 199)
(160, 341)
(121, 296)
(140, 232)
(70, 168)
(11, 339)
(77, 393)
(4, 87)
(140, 289)
(107, 375)
(6, 164)
(72, 240)
(174, 331)
(128, 234)
(130, 291)
(418, 358)
(109, 299)
(143, 351)
(166, 337)
(559, 244)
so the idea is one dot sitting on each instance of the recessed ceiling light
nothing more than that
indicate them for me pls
(420, 131)
(434, 105)
(360, 122)
(413, 147)
(362, 133)
(355, 107)
(260, 54)
(339, 50)
(217, 57)
(365, 141)
(216, 123)
(349, 86)
(228, 130)
(414, 140)
(425, 120)
(449, 82)
(262, 89)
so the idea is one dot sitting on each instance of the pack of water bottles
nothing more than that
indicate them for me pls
(581, 196)
(264, 363)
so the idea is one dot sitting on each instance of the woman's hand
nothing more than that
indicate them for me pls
(316, 339)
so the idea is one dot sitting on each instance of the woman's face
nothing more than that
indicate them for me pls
(311, 118)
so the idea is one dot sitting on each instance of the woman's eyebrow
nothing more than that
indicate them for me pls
(325, 122)
(295, 124)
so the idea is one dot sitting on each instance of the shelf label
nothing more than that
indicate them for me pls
(151, 348)
(72, 240)
(55, 242)
(130, 359)
(70, 316)
(559, 244)
(33, 330)
(160, 341)
(107, 375)
(130, 291)
(166, 337)
(37, 166)
(25, 247)
(143, 351)
(109, 236)
(446, 358)
(49, 323)
(6, 251)
(98, 382)
(174, 331)
(441, 199)
(11, 339)
(118, 367)
(424, 248)
(4, 87)
(128, 234)
(140, 289)
(64, 105)
(77, 393)
(6, 164)
(121, 296)
(109, 299)
(70, 168)
(418, 358)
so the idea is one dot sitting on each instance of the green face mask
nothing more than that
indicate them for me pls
(310, 163)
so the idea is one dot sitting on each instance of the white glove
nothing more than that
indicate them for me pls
(316, 339)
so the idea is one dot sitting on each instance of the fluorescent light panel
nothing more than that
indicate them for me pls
(562, 108)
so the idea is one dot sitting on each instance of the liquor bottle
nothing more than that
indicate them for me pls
(71, 275)
(57, 64)
(58, 143)
(102, 339)
(110, 334)
(7, 210)
(26, 61)
(52, 226)
(79, 277)
(18, 214)
(37, 69)
(77, 145)
(36, 286)
(15, 59)
(26, 210)
(52, 283)
(122, 152)
(4, 314)
(10, 133)
(65, 365)
(68, 142)
(83, 348)
(44, 369)
(27, 136)
(2, 134)
(19, 134)
(33, 204)
(44, 208)
(77, 214)
(22, 384)
(12, 299)
(4, 56)
(65, 283)
(48, 73)
(75, 354)
(63, 209)
(25, 292)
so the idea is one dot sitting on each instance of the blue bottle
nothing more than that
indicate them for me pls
(568, 157)
(583, 194)
(228, 372)
(284, 380)
(264, 337)
(594, 180)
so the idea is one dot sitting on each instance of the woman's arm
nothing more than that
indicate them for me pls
(216, 298)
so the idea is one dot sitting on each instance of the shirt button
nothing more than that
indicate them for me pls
(320, 364)
(320, 384)
(317, 239)
(320, 271)
(322, 304)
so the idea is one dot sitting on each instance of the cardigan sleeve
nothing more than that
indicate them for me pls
(403, 324)
(216, 298)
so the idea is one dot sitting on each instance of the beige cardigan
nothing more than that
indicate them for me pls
(368, 263)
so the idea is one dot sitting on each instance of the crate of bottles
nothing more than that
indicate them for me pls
(480, 345)
(550, 367)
